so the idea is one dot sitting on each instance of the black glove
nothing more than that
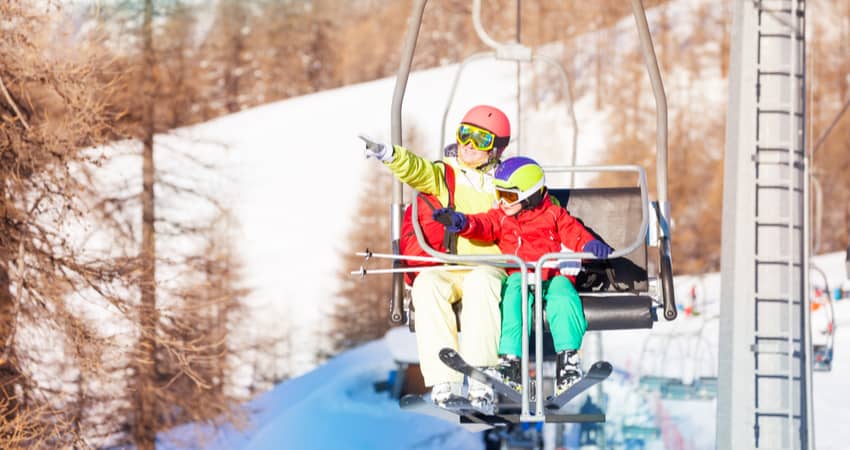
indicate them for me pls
(451, 219)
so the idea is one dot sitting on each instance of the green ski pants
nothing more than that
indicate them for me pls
(563, 311)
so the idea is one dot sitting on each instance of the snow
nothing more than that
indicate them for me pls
(294, 169)
(333, 407)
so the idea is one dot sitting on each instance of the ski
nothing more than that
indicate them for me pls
(470, 419)
(452, 359)
(456, 404)
(417, 403)
(598, 372)
(459, 405)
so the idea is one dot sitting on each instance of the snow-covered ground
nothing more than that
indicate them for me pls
(295, 167)
(335, 406)
(332, 407)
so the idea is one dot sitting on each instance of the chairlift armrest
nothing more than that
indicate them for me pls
(640, 239)
(665, 259)
(397, 293)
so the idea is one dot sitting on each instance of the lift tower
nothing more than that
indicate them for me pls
(764, 384)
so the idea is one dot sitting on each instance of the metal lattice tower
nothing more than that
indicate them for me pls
(764, 368)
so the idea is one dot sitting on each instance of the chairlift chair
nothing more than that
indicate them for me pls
(622, 217)
(822, 352)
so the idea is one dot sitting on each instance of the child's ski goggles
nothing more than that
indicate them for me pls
(512, 196)
(480, 138)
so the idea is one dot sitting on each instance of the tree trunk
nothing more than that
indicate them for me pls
(146, 422)
(8, 370)
(597, 68)
(843, 82)
(231, 75)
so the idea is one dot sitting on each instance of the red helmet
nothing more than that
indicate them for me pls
(490, 118)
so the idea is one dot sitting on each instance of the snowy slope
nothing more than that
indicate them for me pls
(289, 158)
(294, 168)
(332, 408)
(335, 406)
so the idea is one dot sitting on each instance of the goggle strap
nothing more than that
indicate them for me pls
(523, 195)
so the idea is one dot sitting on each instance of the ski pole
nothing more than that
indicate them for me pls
(363, 271)
(368, 254)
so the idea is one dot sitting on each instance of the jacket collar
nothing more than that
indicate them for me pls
(527, 215)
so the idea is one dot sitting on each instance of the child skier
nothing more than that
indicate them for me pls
(528, 224)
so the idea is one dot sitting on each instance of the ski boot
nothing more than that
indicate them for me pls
(441, 393)
(568, 370)
(509, 371)
(482, 397)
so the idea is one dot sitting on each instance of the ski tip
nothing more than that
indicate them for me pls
(603, 365)
(447, 353)
(551, 404)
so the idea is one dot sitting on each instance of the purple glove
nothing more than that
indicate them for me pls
(451, 219)
(599, 249)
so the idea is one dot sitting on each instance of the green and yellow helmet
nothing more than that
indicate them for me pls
(518, 178)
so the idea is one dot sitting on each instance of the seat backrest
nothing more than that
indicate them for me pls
(614, 215)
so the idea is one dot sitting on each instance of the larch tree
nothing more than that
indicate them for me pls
(51, 108)
(361, 313)
(145, 425)
(183, 295)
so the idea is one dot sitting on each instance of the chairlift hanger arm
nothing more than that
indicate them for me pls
(663, 208)
(397, 293)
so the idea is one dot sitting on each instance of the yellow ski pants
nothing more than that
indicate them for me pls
(434, 292)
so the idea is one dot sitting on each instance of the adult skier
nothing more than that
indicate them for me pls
(481, 136)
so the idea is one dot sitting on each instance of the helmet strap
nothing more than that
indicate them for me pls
(493, 160)
(535, 199)
(489, 164)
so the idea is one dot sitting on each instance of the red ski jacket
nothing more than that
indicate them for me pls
(531, 233)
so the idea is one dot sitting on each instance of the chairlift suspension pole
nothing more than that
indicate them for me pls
(663, 205)
(519, 127)
(397, 295)
(652, 69)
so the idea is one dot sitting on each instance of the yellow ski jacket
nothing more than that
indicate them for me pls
(474, 189)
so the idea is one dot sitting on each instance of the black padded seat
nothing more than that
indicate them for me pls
(614, 216)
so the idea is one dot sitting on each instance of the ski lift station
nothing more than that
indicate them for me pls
(775, 318)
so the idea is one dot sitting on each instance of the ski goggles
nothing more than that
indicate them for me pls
(480, 138)
(512, 196)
